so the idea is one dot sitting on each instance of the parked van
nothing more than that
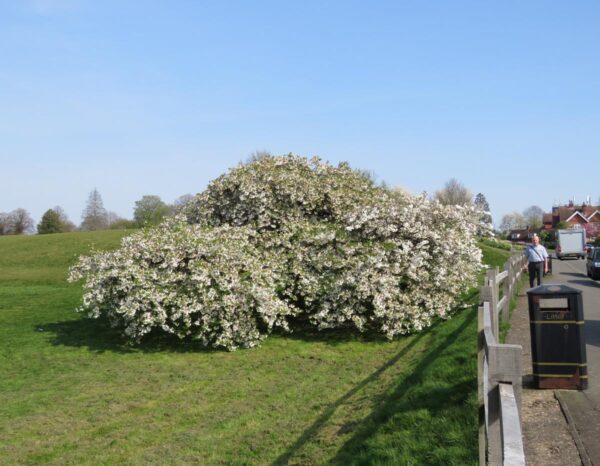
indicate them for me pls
(570, 243)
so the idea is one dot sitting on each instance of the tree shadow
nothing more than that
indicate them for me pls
(389, 403)
(98, 336)
(574, 274)
(306, 332)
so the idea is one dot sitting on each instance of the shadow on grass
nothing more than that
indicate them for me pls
(98, 336)
(409, 396)
(392, 403)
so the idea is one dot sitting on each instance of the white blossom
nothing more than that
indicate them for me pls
(281, 239)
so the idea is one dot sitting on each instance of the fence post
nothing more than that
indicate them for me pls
(486, 293)
(480, 387)
(508, 288)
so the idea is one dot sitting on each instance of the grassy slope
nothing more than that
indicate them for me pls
(74, 393)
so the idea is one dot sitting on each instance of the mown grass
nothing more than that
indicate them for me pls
(73, 392)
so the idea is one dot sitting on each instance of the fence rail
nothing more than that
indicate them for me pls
(499, 371)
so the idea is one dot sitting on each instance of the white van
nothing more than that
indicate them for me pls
(570, 243)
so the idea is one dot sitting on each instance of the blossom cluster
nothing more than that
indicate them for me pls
(285, 239)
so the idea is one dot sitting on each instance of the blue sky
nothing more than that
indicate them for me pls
(152, 97)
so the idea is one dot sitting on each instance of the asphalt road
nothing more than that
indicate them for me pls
(583, 408)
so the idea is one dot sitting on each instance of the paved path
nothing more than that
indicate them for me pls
(546, 434)
(583, 408)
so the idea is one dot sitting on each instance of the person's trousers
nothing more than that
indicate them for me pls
(536, 269)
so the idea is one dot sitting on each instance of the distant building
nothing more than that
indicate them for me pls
(584, 216)
(523, 234)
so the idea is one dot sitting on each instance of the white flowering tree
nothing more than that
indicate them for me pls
(282, 239)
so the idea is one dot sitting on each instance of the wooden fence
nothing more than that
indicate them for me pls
(499, 371)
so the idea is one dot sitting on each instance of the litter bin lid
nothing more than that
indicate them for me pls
(553, 289)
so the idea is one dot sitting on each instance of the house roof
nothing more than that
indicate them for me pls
(565, 213)
(595, 212)
(575, 214)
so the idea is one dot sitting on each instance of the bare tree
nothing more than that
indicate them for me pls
(512, 222)
(454, 193)
(534, 216)
(112, 218)
(257, 155)
(180, 203)
(20, 222)
(3, 223)
(94, 216)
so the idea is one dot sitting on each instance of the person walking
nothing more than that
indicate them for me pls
(537, 260)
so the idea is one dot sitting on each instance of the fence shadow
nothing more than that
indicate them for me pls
(390, 403)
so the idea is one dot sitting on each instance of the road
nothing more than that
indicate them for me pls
(583, 408)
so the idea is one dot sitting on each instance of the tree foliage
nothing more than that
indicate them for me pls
(150, 211)
(284, 240)
(50, 223)
(55, 220)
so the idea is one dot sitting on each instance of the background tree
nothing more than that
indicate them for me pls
(112, 217)
(512, 221)
(20, 222)
(50, 223)
(55, 220)
(454, 193)
(180, 203)
(481, 204)
(116, 222)
(94, 216)
(257, 155)
(3, 223)
(123, 224)
(149, 210)
(67, 225)
(534, 216)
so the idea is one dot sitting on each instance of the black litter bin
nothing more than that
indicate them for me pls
(557, 337)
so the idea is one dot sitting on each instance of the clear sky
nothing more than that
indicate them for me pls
(160, 97)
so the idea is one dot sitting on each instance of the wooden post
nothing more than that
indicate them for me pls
(508, 289)
(512, 441)
(486, 293)
(480, 387)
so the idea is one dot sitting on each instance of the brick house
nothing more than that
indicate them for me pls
(585, 216)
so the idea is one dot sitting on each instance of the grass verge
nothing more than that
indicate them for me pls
(75, 393)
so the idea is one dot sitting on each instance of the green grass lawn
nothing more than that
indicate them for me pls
(72, 392)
